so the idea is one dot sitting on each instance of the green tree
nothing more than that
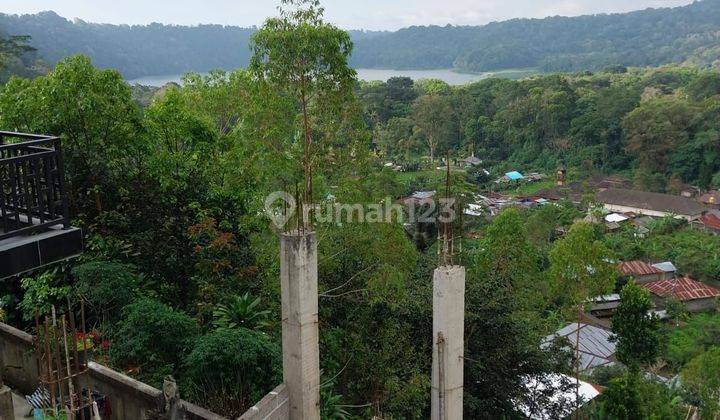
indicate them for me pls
(12, 48)
(92, 110)
(307, 58)
(106, 286)
(637, 332)
(184, 145)
(502, 335)
(632, 397)
(580, 266)
(433, 116)
(656, 128)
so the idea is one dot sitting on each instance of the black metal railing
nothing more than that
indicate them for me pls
(32, 184)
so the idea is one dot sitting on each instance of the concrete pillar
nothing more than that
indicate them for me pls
(300, 338)
(448, 343)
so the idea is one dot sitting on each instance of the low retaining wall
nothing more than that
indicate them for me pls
(129, 399)
(274, 406)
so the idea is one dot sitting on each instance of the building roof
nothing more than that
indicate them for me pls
(710, 221)
(638, 268)
(683, 289)
(472, 160)
(616, 218)
(595, 347)
(514, 175)
(666, 267)
(651, 201)
(567, 396)
(711, 197)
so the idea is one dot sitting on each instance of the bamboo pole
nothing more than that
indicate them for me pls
(71, 387)
(48, 358)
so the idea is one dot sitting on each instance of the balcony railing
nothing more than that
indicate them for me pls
(32, 184)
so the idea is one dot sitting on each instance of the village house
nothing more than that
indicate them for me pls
(471, 161)
(711, 199)
(594, 346)
(605, 306)
(711, 223)
(649, 203)
(641, 271)
(697, 296)
(669, 271)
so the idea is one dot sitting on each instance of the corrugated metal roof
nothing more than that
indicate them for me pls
(514, 175)
(667, 267)
(595, 348)
(711, 221)
(651, 201)
(638, 268)
(683, 289)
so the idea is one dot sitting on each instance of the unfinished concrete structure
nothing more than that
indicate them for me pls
(300, 336)
(448, 343)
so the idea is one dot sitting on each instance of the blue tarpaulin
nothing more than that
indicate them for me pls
(514, 175)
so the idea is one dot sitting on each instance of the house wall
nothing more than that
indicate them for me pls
(647, 278)
(625, 209)
(129, 399)
(692, 306)
(701, 305)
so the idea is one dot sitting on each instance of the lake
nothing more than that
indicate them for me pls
(449, 76)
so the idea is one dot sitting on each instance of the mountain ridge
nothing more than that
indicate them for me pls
(648, 37)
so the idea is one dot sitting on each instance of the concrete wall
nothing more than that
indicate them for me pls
(274, 406)
(129, 399)
(17, 359)
(692, 306)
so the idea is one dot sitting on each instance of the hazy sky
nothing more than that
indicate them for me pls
(350, 14)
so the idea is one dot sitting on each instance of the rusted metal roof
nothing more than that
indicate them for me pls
(683, 289)
(638, 268)
(710, 221)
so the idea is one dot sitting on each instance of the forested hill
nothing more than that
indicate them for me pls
(643, 38)
(134, 50)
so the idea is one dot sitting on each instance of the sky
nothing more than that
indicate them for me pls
(348, 14)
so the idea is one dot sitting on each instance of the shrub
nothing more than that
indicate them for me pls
(232, 369)
(106, 286)
(153, 337)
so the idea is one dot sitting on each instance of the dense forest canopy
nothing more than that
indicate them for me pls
(659, 126)
(644, 38)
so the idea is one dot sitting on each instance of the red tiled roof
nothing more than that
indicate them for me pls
(683, 289)
(711, 221)
(638, 268)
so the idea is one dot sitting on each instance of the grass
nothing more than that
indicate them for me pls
(515, 74)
